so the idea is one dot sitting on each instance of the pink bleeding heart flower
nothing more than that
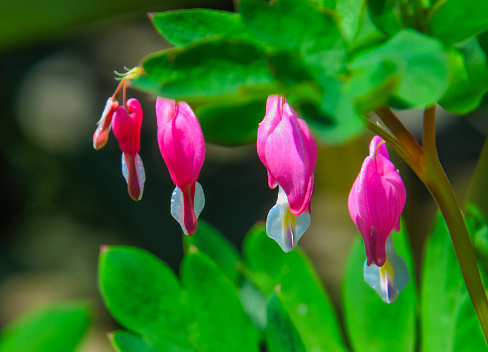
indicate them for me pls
(288, 150)
(127, 130)
(100, 137)
(375, 202)
(182, 146)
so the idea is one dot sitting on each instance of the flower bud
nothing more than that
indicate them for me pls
(182, 146)
(288, 151)
(127, 126)
(100, 137)
(376, 201)
(127, 130)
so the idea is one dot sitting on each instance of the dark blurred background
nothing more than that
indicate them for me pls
(61, 200)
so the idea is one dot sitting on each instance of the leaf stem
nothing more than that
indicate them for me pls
(425, 163)
(380, 131)
(410, 146)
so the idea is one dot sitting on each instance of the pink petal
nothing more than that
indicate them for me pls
(180, 141)
(290, 161)
(274, 112)
(127, 127)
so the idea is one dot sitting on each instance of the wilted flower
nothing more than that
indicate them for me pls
(182, 146)
(100, 137)
(376, 201)
(288, 151)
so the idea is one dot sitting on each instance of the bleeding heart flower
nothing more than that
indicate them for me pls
(127, 130)
(376, 201)
(182, 146)
(287, 149)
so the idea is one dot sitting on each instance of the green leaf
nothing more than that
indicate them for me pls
(385, 16)
(206, 71)
(213, 243)
(351, 12)
(445, 312)
(368, 37)
(469, 335)
(142, 293)
(371, 324)
(56, 328)
(281, 335)
(254, 303)
(442, 288)
(421, 63)
(454, 21)
(123, 341)
(339, 115)
(231, 123)
(300, 290)
(468, 78)
(182, 27)
(335, 119)
(219, 322)
(297, 26)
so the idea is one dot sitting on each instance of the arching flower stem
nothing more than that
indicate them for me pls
(425, 163)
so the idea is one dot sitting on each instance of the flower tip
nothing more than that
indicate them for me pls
(283, 226)
(100, 139)
(135, 193)
(190, 227)
(110, 335)
(150, 15)
(186, 206)
(389, 279)
(103, 248)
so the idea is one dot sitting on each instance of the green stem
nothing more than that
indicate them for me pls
(380, 131)
(425, 163)
(410, 146)
(439, 186)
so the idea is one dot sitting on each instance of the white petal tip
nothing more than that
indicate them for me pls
(178, 207)
(389, 280)
(284, 227)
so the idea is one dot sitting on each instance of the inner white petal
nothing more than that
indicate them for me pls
(178, 207)
(199, 200)
(284, 227)
(141, 174)
(125, 171)
(390, 279)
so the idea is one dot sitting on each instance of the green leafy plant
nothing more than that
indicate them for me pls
(238, 303)
(338, 62)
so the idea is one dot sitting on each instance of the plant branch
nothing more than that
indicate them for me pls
(429, 146)
(409, 145)
(391, 140)
(438, 184)
(425, 163)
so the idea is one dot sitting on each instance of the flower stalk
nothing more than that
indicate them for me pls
(424, 161)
